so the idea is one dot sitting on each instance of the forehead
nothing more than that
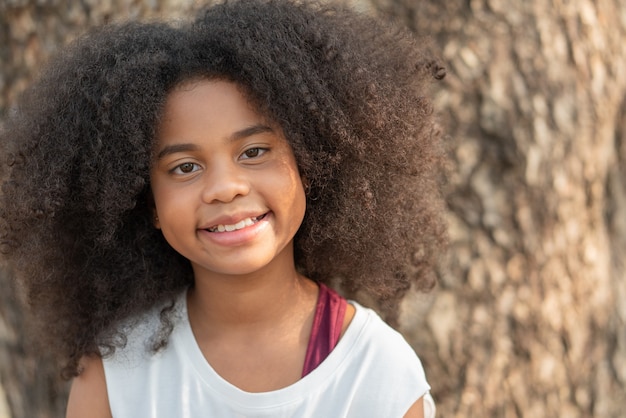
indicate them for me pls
(203, 111)
(210, 100)
(197, 90)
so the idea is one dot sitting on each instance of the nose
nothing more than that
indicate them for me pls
(224, 182)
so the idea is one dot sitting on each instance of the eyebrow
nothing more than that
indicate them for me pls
(252, 130)
(244, 133)
(173, 149)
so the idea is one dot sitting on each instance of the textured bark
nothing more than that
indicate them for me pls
(29, 378)
(527, 320)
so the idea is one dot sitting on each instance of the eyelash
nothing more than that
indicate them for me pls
(179, 171)
(259, 151)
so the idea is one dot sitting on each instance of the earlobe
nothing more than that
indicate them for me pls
(156, 222)
(155, 215)
(306, 185)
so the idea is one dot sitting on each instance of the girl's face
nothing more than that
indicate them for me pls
(227, 191)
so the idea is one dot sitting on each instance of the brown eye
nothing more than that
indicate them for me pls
(253, 153)
(185, 168)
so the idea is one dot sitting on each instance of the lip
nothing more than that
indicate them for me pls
(237, 237)
(231, 219)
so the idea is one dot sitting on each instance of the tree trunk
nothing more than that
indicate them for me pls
(526, 321)
(29, 378)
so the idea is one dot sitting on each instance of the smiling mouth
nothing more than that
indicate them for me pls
(239, 225)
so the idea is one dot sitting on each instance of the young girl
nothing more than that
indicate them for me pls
(180, 202)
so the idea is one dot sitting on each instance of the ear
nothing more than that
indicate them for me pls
(306, 185)
(155, 219)
(155, 215)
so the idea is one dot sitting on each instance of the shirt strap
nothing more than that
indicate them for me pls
(326, 330)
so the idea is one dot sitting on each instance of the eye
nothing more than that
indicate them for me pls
(253, 153)
(185, 168)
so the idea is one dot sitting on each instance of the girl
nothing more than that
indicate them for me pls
(181, 201)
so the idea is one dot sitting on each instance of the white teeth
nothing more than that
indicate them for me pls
(239, 225)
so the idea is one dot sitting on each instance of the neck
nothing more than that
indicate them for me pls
(251, 302)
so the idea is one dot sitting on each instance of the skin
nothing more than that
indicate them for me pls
(219, 162)
(228, 196)
(88, 394)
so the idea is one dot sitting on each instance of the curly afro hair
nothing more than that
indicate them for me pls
(74, 207)
(351, 95)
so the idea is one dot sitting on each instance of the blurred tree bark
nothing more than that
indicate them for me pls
(526, 321)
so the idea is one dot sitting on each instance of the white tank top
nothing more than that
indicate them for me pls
(372, 372)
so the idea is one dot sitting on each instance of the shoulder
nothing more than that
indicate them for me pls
(148, 357)
(146, 336)
(143, 332)
(88, 394)
(101, 378)
(381, 365)
(424, 407)
(377, 336)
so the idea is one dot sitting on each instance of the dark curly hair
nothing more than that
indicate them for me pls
(351, 95)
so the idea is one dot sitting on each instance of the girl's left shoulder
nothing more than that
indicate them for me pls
(378, 336)
(385, 374)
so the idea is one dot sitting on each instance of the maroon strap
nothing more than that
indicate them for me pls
(326, 330)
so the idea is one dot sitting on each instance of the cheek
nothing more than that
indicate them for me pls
(157, 200)
(288, 191)
(166, 204)
(298, 204)
(294, 187)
